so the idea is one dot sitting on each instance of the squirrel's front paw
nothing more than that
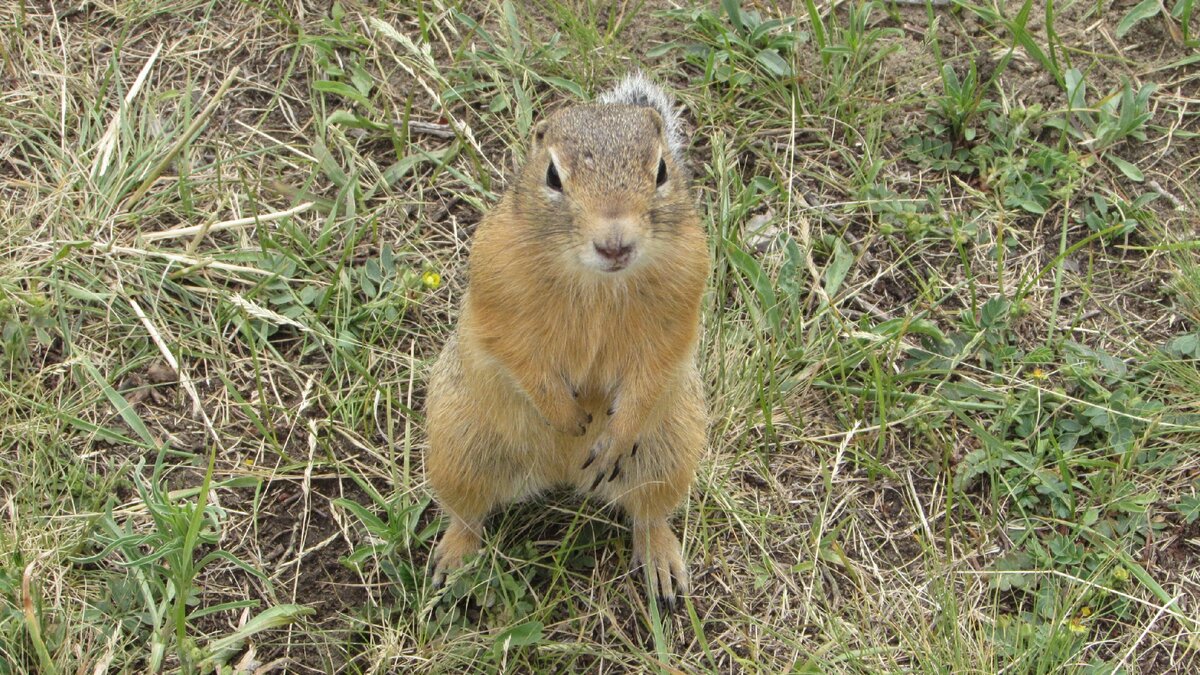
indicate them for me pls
(605, 458)
(571, 420)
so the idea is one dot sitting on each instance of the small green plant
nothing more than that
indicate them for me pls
(1018, 27)
(1185, 346)
(496, 69)
(503, 593)
(1118, 117)
(1038, 181)
(391, 537)
(1117, 218)
(158, 594)
(1183, 11)
(850, 48)
(1023, 173)
(338, 54)
(379, 288)
(932, 147)
(961, 102)
(1189, 507)
(25, 318)
(479, 595)
(915, 218)
(736, 39)
(851, 53)
(1026, 174)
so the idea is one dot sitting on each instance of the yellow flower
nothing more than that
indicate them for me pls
(1039, 374)
(431, 279)
(1075, 625)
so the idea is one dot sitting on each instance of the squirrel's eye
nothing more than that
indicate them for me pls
(662, 173)
(552, 180)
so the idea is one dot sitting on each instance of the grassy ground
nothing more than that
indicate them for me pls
(951, 339)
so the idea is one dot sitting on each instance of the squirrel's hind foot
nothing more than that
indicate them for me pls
(459, 542)
(658, 553)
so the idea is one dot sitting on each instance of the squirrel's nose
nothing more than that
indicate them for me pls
(613, 251)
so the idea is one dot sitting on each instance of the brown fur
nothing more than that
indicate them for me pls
(546, 346)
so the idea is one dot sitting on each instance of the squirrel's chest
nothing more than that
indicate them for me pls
(597, 346)
(589, 336)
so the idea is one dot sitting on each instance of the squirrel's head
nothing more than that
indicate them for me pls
(601, 181)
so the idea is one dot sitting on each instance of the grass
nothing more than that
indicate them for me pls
(951, 338)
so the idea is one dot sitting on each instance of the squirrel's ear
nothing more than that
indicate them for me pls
(539, 134)
(656, 119)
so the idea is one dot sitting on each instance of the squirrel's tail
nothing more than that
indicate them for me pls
(637, 89)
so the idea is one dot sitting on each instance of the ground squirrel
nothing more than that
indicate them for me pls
(574, 358)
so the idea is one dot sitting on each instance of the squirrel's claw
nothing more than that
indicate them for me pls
(666, 603)
(600, 447)
(616, 470)
(607, 461)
